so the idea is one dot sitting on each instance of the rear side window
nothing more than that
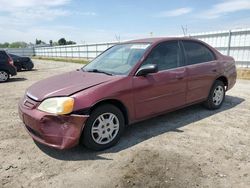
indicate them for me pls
(166, 55)
(197, 53)
(3, 56)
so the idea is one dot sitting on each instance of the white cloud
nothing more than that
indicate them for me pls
(38, 14)
(23, 19)
(14, 4)
(29, 11)
(86, 13)
(227, 6)
(175, 12)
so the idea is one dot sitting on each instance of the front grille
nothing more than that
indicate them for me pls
(32, 131)
(29, 103)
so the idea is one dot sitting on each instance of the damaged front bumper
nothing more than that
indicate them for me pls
(57, 131)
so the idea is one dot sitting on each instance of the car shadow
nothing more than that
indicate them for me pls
(24, 70)
(143, 131)
(16, 80)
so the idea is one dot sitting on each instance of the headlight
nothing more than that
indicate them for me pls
(57, 105)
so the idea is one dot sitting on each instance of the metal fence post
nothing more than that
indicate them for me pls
(96, 50)
(66, 51)
(229, 42)
(87, 51)
(79, 54)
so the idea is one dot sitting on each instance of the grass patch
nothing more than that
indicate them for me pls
(70, 60)
(243, 73)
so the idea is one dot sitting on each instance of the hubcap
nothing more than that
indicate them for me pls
(3, 76)
(105, 128)
(218, 95)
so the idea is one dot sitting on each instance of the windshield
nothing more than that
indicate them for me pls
(118, 60)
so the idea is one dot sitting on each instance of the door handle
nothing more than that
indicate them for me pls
(179, 77)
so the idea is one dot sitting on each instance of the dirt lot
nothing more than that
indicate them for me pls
(192, 147)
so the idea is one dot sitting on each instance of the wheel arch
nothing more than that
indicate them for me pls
(1, 69)
(116, 103)
(224, 80)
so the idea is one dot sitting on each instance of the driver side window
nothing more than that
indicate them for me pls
(166, 55)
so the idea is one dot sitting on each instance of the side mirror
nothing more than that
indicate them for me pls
(147, 69)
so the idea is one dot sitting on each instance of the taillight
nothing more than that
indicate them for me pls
(11, 61)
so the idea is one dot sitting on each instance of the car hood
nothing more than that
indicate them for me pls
(66, 84)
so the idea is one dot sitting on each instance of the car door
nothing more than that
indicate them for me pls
(164, 90)
(201, 70)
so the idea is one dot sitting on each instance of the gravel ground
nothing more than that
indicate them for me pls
(192, 147)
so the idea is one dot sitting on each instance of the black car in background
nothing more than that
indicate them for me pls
(22, 62)
(7, 67)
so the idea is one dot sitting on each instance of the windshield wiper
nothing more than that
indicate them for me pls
(99, 71)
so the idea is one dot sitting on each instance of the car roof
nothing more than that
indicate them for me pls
(160, 39)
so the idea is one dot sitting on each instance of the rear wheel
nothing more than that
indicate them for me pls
(18, 67)
(28, 67)
(4, 76)
(216, 96)
(104, 127)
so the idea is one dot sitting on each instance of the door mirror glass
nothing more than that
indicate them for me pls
(147, 69)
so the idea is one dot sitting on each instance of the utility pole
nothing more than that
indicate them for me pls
(118, 38)
(184, 30)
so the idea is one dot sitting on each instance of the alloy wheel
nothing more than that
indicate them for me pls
(218, 95)
(3, 76)
(105, 128)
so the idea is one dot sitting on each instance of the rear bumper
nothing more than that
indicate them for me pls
(12, 70)
(232, 76)
(61, 132)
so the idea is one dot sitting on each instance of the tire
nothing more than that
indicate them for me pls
(28, 68)
(216, 96)
(100, 133)
(18, 68)
(4, 76)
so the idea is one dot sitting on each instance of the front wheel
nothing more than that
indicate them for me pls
(4, 76)
(104, 127)
(216, 96)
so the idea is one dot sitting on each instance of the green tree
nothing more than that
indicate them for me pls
(18, 45)
(62, 41)
(55, 44)
(4, 45)
(70, 42)
(39, 42)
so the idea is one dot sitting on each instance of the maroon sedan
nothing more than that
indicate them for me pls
(127, 83)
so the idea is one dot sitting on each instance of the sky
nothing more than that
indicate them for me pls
(96, 21)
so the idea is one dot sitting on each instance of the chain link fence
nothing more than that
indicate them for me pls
(20, 51)
(88, 51)
(235, 43)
